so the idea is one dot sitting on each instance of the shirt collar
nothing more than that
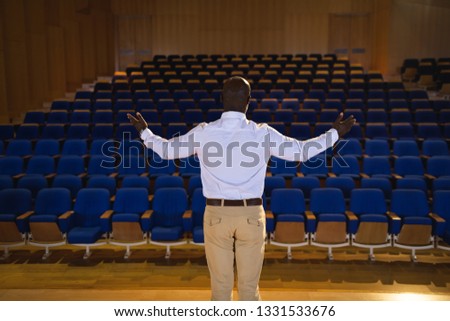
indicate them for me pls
(233, 114)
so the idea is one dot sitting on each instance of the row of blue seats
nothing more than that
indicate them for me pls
(92, 221)
(285, 125)
(319, 166)
(259, 94)
(34, 183)
(347, 147)
(269, 112)
(293, 103)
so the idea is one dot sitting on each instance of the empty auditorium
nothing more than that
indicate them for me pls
(224, 150)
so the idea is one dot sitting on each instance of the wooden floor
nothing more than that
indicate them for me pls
(147, 275)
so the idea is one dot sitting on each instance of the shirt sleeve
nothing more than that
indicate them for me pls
(291, 149)
(177, 147)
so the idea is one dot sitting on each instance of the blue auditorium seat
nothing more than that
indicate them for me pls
(334, 224)
(85, 226)
(166, 220)
(369, 205)
(441, 207)
(15, 209)
(412, 226)
(130, 220)
(195, 221)
(45, 226)
(287, 220)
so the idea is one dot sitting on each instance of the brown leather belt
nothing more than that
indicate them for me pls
(246, 202)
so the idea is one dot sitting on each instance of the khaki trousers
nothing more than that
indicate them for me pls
(234, 232)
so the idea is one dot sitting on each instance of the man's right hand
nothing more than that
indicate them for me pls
(138, 122)
(343, 126)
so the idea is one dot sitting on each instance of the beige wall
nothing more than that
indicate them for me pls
(49, 47)
(419, 28)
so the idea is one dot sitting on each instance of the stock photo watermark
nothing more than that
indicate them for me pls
(129, 153)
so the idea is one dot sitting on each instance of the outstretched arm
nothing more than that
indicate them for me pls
(177, 147)
(295, 150)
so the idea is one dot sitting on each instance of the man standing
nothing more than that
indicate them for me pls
(233, 154)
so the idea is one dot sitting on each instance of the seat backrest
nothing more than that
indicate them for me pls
(41, 165)
(90, 204)
(435, 147)
(376, 165)
(11, 165)
(441, 205)
(345, 165)
(327, 200)
(131, 200)
(367, 201)
(272, 182)
(198, 207)
(71, 164)
(19, 147)
(406, 148)
(47, 147)
(407, 202)
(15, 201)
(315, 165)
(104, 182)
(168, 181)
(74, 147)
(439, 166)
(383, 184)
(71, 182)
(287, 201)
(408, 165)
(345, 184)
(169, 205)
(101, 165)
(136, 181)
(53, 201)
(377, 147)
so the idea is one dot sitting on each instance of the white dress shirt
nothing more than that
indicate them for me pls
(234, 151)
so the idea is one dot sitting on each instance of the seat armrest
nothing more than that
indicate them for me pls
(393, 216)
(107, 215)
(150, 197)
(269, 214)
(66, 215)
(300, 175)
(351, 216)
(112, 198)
(436, 218)
(310, 215)
(396, 176)
(82, 175)
(18, 176)
(147, 214)
(114, 175)
(430, 177)
(50, 176)
(187, 214)
(364, 175)
(25, 215)
(331, 175)
(144, 175)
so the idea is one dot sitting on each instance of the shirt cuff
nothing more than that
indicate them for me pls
(334, 135)
(146, 133)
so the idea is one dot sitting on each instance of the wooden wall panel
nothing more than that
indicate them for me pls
(15, 51)
(4, 112)
(51, 47)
